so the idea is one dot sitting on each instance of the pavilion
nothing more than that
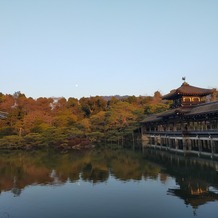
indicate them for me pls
(189, 126)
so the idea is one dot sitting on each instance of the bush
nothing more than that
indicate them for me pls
(12, 142)
(34, 140)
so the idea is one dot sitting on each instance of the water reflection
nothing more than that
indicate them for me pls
(197, 180)
(20, 169)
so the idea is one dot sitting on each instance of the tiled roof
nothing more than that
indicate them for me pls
(207, 108)
(174, 111)
(211, 107)
(186, 90)
(151, 118)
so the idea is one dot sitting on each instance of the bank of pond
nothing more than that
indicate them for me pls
(64, 139)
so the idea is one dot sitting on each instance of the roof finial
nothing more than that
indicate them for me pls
(184, 83)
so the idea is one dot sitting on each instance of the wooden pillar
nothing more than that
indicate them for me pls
(184, 144)
(215, 147)
(182, 126)
(155, 140)
(169, 142)
(176, 144)
(205, 144)
(142, 131)
(199, 145)
(164, 140)
(151, 141)
(174, 127)
(212, 146)
(189, 144)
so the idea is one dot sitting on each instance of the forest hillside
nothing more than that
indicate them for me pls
(66, 123)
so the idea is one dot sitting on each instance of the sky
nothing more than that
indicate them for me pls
(82, 48)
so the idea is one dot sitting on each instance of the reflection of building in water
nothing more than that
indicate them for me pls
(194, 176)
(190, 126)
(193, 193)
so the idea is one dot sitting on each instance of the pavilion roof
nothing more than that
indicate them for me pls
(211, 107)
(180, 110)
(187, 90)
(151, 118)
(167, 113)
(207, 108)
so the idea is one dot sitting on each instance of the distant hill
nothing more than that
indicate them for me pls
(119, 97)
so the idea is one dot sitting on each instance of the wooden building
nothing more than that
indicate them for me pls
(189, 126)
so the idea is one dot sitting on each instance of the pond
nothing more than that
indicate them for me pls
(106, 183)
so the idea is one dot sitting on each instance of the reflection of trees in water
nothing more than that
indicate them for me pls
(127, 165)
(20, 169)
(94, 173)
(16, 191)
(94, 166)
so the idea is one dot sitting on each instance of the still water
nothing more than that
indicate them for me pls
(106, 183)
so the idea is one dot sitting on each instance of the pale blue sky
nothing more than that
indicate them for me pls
(76, 48)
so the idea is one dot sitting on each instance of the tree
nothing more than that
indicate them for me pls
(157, 97)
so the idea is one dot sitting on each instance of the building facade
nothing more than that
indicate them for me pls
(189, 126)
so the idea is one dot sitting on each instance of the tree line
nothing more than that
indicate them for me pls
(65, 123)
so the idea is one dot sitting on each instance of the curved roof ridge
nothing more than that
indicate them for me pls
(186, 89)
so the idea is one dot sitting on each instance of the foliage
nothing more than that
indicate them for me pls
(11, 142)
(155, 108)
(53, 121)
